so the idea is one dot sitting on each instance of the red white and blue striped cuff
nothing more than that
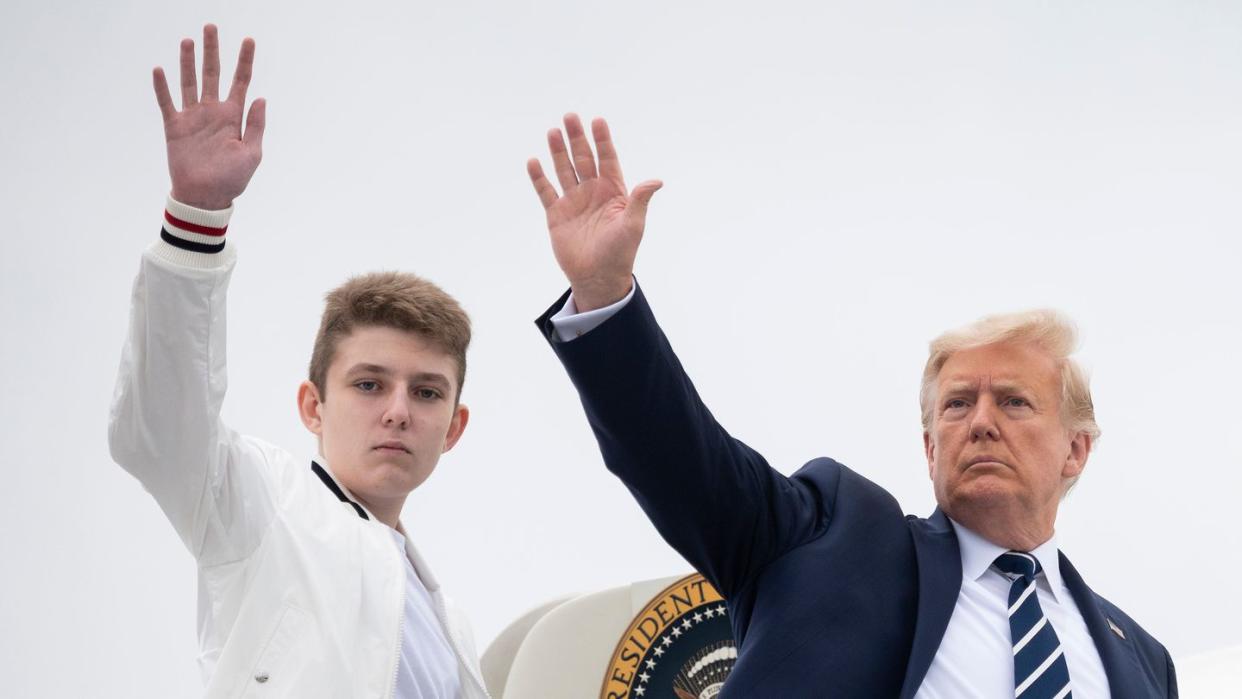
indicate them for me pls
(195, 230)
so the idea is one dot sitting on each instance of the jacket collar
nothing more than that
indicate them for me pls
(420, 565)
(421, 569)
(940, 579)
(341, 494)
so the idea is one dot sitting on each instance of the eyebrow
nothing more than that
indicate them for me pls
(431, 377)
(365, 368)
(380, 370)
(959, 386)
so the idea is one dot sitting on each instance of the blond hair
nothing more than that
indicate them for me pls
(1047, 329)
(392, 300)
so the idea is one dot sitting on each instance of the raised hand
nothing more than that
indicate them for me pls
(210, 160)
(594, 224)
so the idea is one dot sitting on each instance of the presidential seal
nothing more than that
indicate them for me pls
(679, 647)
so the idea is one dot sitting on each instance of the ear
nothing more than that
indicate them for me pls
(929, 448)
(308, 407)
(1076, 459)
(461, 416)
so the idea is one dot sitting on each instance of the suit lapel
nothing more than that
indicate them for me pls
(1121, 664)
(940, 580)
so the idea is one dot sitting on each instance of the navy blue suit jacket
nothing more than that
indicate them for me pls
(832, 590)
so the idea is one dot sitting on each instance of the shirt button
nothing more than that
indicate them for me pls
(261, 677)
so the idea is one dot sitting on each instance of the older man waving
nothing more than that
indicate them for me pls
(831, 589)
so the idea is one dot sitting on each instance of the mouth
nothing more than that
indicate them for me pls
(986, 459)
(392, 448)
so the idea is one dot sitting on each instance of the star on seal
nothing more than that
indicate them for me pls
(680, 646)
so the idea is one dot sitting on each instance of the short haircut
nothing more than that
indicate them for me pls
(391, 300)
(1047, 329)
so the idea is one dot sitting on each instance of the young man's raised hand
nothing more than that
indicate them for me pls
(210, 159)
(594, 224)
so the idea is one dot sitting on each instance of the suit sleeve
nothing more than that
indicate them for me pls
(165, 427)
(712, 498)
(1172, 676)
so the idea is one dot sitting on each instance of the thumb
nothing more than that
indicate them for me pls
(255, 121)
(641, 196)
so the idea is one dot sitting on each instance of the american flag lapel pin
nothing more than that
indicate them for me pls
(1116, 629)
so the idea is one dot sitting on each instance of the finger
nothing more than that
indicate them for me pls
(189, 81)
(162, 96)
(641, 196)
(584, 160)
(560, 160)
(255, 121)
(241, 76)
(609, 165)
(544, 188)
(211, 63)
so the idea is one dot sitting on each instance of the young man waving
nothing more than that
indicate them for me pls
(308, 584)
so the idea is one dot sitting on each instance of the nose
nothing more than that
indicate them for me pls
(396, 412)
(983, 421)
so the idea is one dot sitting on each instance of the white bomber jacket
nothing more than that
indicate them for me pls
(301, 593)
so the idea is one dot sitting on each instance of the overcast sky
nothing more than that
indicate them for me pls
(843, 182)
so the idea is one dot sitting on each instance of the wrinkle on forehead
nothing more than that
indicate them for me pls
(959, 384)
(999, 367)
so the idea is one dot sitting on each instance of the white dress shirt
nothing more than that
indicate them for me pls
(428, 667)
(975, 657)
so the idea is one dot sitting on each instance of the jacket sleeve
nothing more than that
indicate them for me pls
(1172, 675)
(165, 426)
(714, 499)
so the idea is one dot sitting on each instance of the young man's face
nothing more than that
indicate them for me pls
(390, 410)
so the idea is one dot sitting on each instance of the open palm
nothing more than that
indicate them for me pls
(210, 160)
(595, 225)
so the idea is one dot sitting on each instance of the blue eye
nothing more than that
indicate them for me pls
(1017, 402)
(428, 393)
(367, 386)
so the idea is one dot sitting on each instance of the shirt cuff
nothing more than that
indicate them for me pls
(568, 324)
(191, 236)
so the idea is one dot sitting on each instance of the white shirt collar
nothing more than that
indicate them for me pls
(978, 554)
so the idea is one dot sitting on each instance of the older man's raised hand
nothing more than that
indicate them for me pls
(210, 159)
(595, 225)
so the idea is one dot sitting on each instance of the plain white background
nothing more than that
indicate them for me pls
(843, 182)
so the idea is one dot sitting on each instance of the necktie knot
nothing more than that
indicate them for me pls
(1018, 563)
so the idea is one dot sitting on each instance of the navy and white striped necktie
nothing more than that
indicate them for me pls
(1039, 669)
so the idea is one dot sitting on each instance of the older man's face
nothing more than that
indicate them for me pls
(998, 448)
